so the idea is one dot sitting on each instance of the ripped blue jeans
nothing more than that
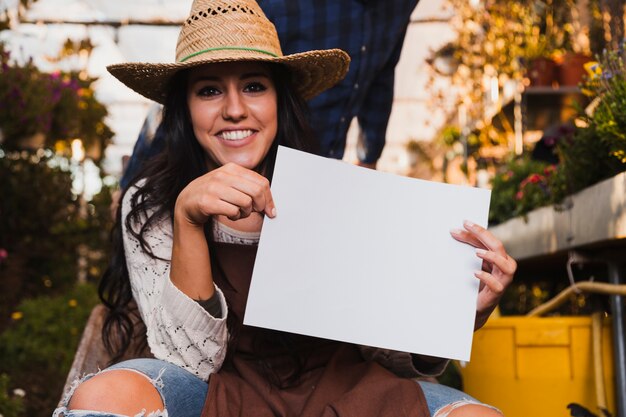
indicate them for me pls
(177, 387)
(187, 392)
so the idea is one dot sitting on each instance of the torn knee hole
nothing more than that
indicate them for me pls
(471, 408)
(121, 391)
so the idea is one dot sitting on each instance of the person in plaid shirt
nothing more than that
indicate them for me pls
(371, 32)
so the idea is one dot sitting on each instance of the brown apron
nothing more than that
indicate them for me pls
(332, 377)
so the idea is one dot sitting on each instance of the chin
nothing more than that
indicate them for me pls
(250, 163)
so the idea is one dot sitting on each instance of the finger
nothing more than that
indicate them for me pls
(466, 237)
(231, 211)
(242, 201)
(263, 199)
(256, 186)
(221, 192)
(485, 236)
(490, 282)
(505, 263)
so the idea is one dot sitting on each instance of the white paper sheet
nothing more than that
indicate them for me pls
(366, 257)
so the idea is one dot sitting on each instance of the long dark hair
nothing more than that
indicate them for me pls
(164, 177)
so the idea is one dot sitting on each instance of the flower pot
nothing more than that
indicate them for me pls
(541, 71)
(571, 70)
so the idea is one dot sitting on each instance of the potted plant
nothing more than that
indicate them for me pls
(541, 68)
(27, 100)
(39, 109)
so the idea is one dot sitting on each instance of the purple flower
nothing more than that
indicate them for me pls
(550, 140)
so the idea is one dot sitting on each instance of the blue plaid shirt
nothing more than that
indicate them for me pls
(372, 33)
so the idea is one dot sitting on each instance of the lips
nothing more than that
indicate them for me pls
(235, 135)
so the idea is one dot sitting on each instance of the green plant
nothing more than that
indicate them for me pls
(78, 114)
(536, 190)
(42, 226)
(586, 160)
(61, 106)
(518, 187)
(609, 116)
(38, 347)
(11, 405)
(598, 150)
(27, 99)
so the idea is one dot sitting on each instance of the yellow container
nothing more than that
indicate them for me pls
(535, 366)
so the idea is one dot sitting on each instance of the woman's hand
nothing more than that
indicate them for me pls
(497, 271)
(230, 190)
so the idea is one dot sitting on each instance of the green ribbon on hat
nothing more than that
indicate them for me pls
(231, 48)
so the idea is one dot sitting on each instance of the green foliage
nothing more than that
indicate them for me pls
(518, 187)
(45, 229)
(450, 135)
(586, 155)
(78, 114)
(608, 84)
(37, 348)
(586, 160)
(27, 99)
(42, 227)
(61, 106)
(598, 151)
(536, 190)
(496, 40)
(10, 405)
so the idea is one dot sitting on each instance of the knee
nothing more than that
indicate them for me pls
(117, 391)
(468, 410)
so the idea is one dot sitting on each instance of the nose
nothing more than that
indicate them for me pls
(234, 106)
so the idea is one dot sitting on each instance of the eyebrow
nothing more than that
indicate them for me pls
(243, 76)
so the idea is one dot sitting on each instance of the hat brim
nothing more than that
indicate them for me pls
(313, 71)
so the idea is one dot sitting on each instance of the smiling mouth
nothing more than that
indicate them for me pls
(234, 135)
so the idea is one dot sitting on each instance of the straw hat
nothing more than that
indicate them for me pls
(226, 31)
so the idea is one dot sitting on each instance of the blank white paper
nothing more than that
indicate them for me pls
(366, 257)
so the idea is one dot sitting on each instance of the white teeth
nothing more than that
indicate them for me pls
(235, 134)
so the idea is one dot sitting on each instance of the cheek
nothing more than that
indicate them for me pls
(271, 116)
(198, 117)
(202, 114)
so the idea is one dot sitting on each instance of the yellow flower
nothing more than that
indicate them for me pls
(594, 69)
(16, 315)
(72, 303)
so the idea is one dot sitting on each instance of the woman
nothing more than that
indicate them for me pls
(187, 235)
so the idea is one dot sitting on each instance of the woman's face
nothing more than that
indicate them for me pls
(233, 111)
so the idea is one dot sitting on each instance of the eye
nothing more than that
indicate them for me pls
(208, 91)
(254, 87)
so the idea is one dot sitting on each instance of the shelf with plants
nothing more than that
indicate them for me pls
(573, 197)
(566, 222)
(594, 216)
(576, 155)
(499, 103)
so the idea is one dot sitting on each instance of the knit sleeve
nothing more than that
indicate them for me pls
(403, 364)
(179, 329)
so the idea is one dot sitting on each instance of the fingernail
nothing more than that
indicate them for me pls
(480, 252)
(456, 231)
(273, 211)
(469, 224)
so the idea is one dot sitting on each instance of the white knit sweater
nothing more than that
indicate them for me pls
(179, 329)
